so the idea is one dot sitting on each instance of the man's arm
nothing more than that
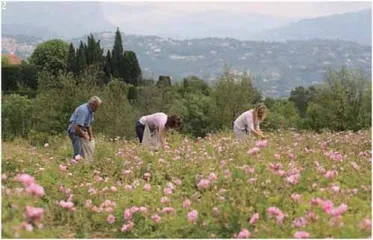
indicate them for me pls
(80, 132)
(80, 120)
(90, 133)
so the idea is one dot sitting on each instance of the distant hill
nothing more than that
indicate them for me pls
(242, 26)
(20, 45)
(278, 67)
(27, 30)
(354, 26)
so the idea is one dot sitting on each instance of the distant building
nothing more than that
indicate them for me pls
(13, 59)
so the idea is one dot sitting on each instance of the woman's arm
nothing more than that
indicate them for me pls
(162, 135)
(254, 125)
(257, 127)
(256, 131)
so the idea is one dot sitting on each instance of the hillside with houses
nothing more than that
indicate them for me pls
(277, 67)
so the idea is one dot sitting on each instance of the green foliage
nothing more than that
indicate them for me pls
(93, 51)
(15, 78)
(117, 59)
(146, 104)
(133, 74)
(16, 112)
(116, 117)
(81, 59)
(118, 45)
(194, 84)
(29, 76)
(317, 117)
(107, 66)
(343, 103)
(57, 99)
(233, 95)
(164, 81)
(71, 59)
(10, 77)
(281, 115)
(51, 56)
(5, 61)
(301, 97)
(132, 94)
(196, 111)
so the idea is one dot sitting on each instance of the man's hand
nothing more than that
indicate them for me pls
(85, 135)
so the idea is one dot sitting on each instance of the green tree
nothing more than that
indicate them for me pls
(71, 59)
(193, 84)
(300, 96)
(317, 117)
(29, 76)
(197, 113)
(16, 112)
(164, 81)
(134, 71)
(132, 94)
(118, 44)
(107, 66)
(94, 52)
(147, 104)
(11, 76)
(282, 114)
(117, 111)
(51, 56)
(117, 56)
(341, 103)
(233, 95)
(81, 60)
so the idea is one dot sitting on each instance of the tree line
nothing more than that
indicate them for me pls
(61, 77)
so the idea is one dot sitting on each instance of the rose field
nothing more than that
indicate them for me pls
(292, 185)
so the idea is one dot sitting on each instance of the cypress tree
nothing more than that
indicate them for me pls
(81, 61)
(134, 71)
(71, 59)
(117, 56)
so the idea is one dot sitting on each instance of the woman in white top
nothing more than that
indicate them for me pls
(248, 122)
(156, 125)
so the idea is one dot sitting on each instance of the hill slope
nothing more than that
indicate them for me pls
(355, 26)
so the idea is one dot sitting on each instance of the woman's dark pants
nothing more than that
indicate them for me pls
(140, 130)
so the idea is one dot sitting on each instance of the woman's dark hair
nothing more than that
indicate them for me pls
(173, 121)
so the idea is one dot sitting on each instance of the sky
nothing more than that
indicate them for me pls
(177, 19)
(152, 17)
(296, 10)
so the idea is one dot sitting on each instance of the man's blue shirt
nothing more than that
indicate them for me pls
(83, 116)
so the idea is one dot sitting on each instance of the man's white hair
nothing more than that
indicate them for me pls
(95, 99)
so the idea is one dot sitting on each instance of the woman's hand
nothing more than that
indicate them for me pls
(258, 133)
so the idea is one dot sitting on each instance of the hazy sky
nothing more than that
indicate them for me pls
(152, 17)
(136, 10)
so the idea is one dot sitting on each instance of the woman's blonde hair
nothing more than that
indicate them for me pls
(258, 107)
